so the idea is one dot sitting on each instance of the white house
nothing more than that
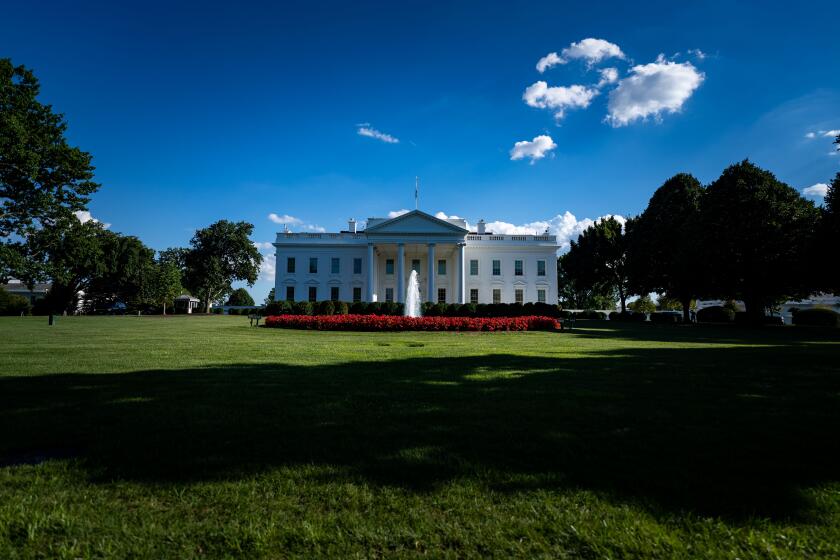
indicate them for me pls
(453, 265)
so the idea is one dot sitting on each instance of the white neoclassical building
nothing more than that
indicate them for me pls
(453, 265)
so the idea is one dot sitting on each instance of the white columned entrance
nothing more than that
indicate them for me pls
(461, 272)
(370, 269)
(401, 272)
(431, 296)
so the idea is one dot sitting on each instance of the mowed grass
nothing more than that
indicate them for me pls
(202, 437)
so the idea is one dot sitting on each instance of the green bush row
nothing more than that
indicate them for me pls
(13, 304)
(818, 317)
(428, 309)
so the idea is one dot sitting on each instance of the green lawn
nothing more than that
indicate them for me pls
(200, 436)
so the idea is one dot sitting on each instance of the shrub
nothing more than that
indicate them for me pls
(341, 308)
(628, 316)
(401, 323)
(302, 308)
(665, 318)
(325, 307)
(592, 314)
(817, 317)
(716, 314)
(358, 308)
(13, 304)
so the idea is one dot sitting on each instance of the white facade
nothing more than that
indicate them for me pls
(453, 264)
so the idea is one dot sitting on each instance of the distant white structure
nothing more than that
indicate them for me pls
(786, 309)
(453, 265)
(186, 303)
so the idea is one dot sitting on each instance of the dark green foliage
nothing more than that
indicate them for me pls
(665, 241)
(43, 180)
(358, 308)
(240, 296)
(302, 308)
(758, 233)
(642, 305)
(628, 316)
(325, 307)
(220, 254)
(270, 296)
(341, 308)
(827, 270)
(666, 317)
(817, 317)
(13, 304)
(715, 314)
(591, 314)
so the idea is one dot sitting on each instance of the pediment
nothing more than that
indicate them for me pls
(415, 222)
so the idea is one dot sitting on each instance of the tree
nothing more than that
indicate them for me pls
(757, 234)
(572, 295)
(43, 180)
(240, 296)
(270, 298)
(163, 283)
(829, 238)
(127, 264)
(598, 259)
(666, 240)
(642, 305)
(220, 255)
(665, 303)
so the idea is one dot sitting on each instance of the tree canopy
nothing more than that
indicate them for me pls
(240, 296)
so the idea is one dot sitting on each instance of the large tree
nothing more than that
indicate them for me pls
(574, 295)
(829, 240)
(598, 259)
(757, 232)
(220, 255)
(126, 265)
(240, 296)
(665, 242)
(43, 179)
(162, 284)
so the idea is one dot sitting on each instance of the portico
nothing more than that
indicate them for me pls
(453, 265)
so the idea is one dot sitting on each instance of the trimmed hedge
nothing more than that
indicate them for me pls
(628, 316)
(428, 309)
(13, 304)
(715, 314)
(818, 317)
(665, 318)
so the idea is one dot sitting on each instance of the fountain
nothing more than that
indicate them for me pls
(412, 297)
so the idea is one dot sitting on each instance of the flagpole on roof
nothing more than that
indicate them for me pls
(416, 192)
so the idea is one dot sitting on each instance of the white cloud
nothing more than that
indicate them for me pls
(267, 268)
(830, 133)
(608, 76)
(565, 226)
(592, 51)
(395, 213)
(818, 190)
(549, 60)
(697, 53)
(313, 228)
(444, 216)
(263, 245)
(811, 135)
(559, 98)
(370, 132)
(651, 90)
(534, 149)
(85, 216)
(284, 219)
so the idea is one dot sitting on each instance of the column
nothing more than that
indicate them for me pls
(461, 272)
(278, 272)
(431, 296)
(401, 272)
(370, 269)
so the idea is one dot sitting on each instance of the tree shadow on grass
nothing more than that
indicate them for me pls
(729, 431)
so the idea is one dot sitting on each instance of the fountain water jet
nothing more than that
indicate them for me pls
(412, 297)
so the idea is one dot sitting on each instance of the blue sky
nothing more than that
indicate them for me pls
(200, 112)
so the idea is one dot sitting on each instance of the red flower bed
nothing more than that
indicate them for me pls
(400, 323)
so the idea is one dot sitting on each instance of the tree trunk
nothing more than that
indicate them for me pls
(686, 303)
(623, 299)
(164, 309)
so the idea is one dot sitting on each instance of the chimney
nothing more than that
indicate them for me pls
(480, 225)
(351, 225)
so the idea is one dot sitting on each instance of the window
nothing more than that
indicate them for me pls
(540, 268)
(290, 293)
(441, 266)
(415, 265)
(334, 293)
(517, 268)
(313, 293)
(497, 295)
(313, 265)
(389, 294)
(290, 265)
(442, 294)
(389, 266)
(473, 295)
(357, 266)
(541, 296)
(357, 294)
(335, 265)
(497, 268)
(517, 296)
(474, 267)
